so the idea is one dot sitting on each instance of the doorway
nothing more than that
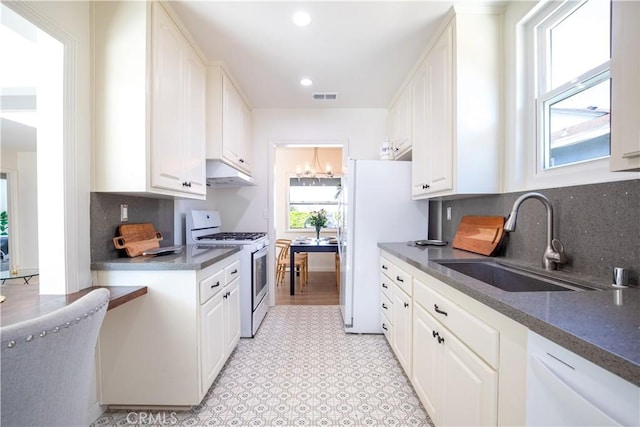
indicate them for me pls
(306, 178)
(32, 123)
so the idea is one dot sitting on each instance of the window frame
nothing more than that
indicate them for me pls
(288, 205)
(540, 26)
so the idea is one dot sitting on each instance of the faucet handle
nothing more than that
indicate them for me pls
(559, 255)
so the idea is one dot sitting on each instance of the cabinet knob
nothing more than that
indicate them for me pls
(384, 306)
(241, 160)
(406, 304)
(384, 327)
(425, 186)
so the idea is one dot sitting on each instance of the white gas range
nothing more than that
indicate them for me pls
(203, 228)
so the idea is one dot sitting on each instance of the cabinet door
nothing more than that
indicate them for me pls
(230, 121)
(245, 149)
(625, 86)
(469, 389)
(402, 320)
(212, 338)
(420, 151)
(167, 102)
(193, 156)
(439, 113)
(232, 316)
(427, 355)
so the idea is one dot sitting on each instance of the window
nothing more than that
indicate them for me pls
(312, 194)
(572, 83)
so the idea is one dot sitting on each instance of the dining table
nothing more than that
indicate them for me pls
(308, 245)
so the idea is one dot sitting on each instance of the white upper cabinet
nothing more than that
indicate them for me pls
(456, 109)
(399, 123)
(229, 123)
(149, 103)
(625, 86)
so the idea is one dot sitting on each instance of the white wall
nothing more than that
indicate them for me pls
(28, 210)
(364, 130)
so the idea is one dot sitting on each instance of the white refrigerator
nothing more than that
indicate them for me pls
(375, 206)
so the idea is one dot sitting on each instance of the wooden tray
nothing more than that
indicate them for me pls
(137, 238)
(479, 234)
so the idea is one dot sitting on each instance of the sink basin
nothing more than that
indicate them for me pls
(511, 279)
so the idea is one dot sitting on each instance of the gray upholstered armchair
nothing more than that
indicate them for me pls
(47, 364)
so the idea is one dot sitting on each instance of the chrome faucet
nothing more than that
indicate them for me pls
(554, 253)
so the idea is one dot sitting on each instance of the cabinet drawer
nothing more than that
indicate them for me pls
(404, 280)
(477, 335)
(231, 272)
(211, 286)
(387, 328)
(386, 267)
(386, 286)
(386, 306)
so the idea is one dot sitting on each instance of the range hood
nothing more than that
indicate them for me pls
(220, 175)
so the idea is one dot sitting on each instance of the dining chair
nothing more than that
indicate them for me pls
(284, 261)
(48, 364)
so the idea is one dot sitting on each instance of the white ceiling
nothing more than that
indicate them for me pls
(362, 50)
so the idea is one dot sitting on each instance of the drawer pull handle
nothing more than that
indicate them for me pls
(437, 335)
(235, 271)
(399, 279)
(216, 285)
(384, 285)
(406, 304)
(384, 267)
(435, 306)
(384, 306)
(225, 296)
(384, 327)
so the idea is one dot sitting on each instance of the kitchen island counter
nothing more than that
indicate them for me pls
(602, 326)
(192, 257)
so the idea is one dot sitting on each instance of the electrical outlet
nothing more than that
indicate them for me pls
(448, 213)
(124, 212)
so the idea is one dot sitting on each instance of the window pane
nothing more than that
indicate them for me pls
(580, 42)
(579, 126)
(312, 194)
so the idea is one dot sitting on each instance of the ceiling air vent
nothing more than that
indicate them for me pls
(325, 96)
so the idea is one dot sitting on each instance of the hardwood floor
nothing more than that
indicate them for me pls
(321, 290)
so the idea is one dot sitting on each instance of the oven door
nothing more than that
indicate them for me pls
(259, 275)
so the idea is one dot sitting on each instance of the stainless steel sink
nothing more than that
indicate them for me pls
(512, 279)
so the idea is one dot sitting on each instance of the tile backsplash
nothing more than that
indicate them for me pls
(105, 219)
(598, 224)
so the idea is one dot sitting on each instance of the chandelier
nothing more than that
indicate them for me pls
(313, 169)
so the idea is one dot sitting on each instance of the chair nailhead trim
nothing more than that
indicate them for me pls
(42, 334)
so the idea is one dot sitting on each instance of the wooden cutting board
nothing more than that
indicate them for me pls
(137, 238)
(479, 234)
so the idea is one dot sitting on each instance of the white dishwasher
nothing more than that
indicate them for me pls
(564, 389)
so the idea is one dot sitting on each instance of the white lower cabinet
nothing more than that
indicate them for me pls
(402, 338)
(455, 385)
(167, 347)
(467, 362)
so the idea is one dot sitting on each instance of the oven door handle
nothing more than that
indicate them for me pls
(260, 252)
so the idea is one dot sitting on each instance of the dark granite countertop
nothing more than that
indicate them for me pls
(192, 257)
(601, 326)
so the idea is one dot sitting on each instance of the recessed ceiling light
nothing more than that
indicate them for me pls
(306, 82)
(301, 18)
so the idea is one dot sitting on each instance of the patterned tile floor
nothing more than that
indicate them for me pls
(301, 369)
